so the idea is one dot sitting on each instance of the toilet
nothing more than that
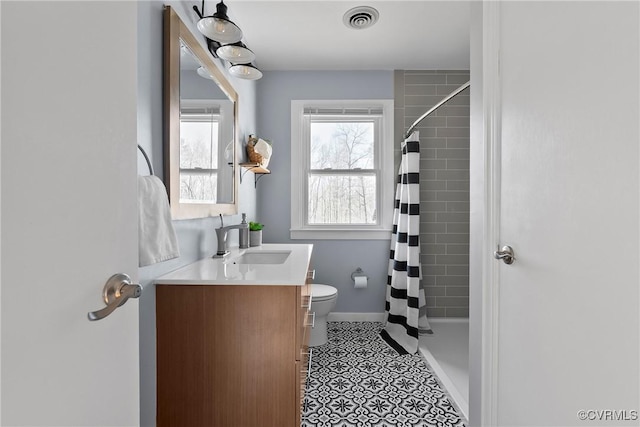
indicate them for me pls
(323, 300)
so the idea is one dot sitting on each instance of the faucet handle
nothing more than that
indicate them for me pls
(221, 221)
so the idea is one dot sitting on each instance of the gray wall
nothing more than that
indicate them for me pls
(444, 184)
(334, 260)
(196, 237)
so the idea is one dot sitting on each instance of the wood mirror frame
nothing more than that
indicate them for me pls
(175, 33)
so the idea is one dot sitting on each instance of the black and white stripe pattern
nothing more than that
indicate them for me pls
(403, 282)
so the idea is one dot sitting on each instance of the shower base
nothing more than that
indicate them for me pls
(447, 352)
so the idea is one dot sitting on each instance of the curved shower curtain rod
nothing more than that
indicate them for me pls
(434, 108)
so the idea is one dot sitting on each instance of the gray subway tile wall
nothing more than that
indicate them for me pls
(444, 183)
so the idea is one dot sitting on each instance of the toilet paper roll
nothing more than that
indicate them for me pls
(361, 282)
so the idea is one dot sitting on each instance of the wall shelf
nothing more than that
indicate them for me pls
(258, 171)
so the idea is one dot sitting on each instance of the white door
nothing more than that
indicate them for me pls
(68, 212)
(567, 315)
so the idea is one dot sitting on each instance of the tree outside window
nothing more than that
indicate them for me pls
(198, 158)
(342, 176)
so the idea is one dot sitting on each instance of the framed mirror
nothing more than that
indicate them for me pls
(200, 120)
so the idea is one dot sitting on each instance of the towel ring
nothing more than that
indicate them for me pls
(144, 153)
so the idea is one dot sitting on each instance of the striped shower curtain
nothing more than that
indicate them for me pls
(404, 309)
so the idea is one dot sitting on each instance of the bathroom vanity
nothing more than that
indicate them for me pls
(232, 339)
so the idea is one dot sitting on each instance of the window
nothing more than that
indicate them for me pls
(341, 169)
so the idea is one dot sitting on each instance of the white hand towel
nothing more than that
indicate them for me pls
(156, 237)
(263, 148)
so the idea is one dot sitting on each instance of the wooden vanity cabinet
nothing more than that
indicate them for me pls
(232, 356)
(303, 362)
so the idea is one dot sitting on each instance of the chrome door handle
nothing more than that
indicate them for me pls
(116, 292)
(505, 254)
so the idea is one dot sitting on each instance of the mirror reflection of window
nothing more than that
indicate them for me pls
(206, 128)
(206, 135)
(200, 138)
(199, 153)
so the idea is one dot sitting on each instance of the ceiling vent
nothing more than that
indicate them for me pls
(360, 17)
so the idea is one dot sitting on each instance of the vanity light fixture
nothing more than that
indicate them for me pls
(245, 71)
(202, 72)
(218, 26)
(236, 53)
(223, 39)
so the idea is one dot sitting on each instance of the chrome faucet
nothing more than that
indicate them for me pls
(222, 232)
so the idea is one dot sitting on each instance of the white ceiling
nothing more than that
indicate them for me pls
(310, 34)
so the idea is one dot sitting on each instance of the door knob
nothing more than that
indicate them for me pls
(505, 254)
(116, 292)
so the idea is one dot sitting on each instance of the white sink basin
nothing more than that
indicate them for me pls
(262, 257)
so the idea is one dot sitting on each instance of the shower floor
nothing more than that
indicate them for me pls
(447, 351)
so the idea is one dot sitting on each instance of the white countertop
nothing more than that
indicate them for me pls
(225, 271)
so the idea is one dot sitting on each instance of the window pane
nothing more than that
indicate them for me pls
(198, 187)
(342, 199)
(342, 145)
(198, 144)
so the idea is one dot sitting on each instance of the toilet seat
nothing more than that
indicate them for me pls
(322, 292)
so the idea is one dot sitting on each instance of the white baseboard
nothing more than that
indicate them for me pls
(355, 317)
(379, 317)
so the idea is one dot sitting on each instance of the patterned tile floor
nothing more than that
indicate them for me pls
(357, 380)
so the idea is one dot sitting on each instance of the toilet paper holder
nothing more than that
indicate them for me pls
(357, 273)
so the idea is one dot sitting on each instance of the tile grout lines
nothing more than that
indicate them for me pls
(357, 380)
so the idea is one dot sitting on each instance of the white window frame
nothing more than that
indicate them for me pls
(300, 166)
